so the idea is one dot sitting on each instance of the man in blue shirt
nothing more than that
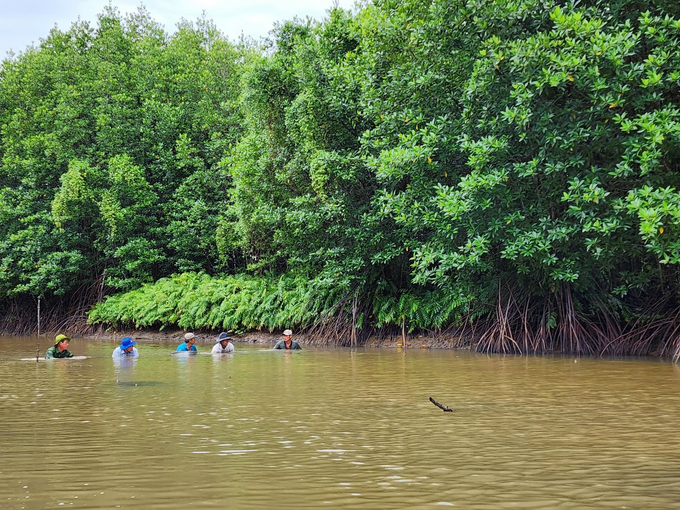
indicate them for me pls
(188, 344)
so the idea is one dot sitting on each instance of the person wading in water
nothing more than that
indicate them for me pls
(223, 344)
(59, 349)
(287, 342)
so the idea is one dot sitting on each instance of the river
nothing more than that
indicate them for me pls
(335, 428)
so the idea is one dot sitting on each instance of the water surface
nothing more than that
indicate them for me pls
(334, 428)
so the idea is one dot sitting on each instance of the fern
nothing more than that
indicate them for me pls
(240, 303)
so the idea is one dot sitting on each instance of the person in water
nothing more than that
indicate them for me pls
(223, 344)
(288, 343)
(126, 349)
(188, 344)
(59, 349)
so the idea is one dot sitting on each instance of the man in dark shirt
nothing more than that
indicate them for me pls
(60, 348)
(287, 342)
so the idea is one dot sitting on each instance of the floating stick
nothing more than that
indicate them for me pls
(444, 408)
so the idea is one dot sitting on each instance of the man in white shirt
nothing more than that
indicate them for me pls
(222, 345)
(126, 349)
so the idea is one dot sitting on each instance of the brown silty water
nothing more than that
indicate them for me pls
(335, 428)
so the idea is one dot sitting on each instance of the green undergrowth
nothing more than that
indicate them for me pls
(244, 303)
(235, 303)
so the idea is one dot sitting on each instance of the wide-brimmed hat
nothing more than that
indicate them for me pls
(126, 343)
(189, 336)
(61, 338)
(288, 332)
(223, 336)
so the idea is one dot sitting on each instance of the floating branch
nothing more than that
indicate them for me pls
(444, 408)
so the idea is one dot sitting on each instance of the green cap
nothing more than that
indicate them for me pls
(60, 338)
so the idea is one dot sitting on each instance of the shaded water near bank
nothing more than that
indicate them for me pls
(335, 429)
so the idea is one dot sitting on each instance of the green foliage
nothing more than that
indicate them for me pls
(300, 188)
(431, 162)
(108, 133)
(568, 134)
(237, 303)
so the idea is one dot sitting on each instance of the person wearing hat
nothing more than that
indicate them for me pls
(59, 349)
(223, 344)
(126, 349)
(188, 344)
(288, 343)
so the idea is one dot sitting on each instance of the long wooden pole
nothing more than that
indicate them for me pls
(37, 340)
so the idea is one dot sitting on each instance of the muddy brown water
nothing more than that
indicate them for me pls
(335, 428)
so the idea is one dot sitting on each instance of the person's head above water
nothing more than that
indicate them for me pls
(127, 344)
(223, 339)
(61, 342)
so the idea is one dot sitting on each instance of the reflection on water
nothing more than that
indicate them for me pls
(335, 428)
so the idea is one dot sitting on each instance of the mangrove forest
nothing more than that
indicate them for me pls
(501, 175)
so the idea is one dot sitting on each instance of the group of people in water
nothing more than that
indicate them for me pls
(127, 346)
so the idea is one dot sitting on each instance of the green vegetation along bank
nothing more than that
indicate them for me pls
(503, 172)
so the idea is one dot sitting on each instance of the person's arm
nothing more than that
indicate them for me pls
(230, 347)
(297, 347)
(216, 349)
(193, 348)
(279, 345)
(49, 352)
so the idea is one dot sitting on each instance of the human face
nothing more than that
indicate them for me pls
(129, 349)
(287, 338)
(190, 342)
(62, 346)
(224, 343)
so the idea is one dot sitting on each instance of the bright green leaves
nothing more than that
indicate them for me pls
(658, 212)
(236, 303)
(398, 157)
(128, 204)
(102, 126)
(577, 107)
(112, 208)
(75, 200)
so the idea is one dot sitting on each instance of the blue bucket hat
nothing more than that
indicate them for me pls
(126, 343)
(223, 336)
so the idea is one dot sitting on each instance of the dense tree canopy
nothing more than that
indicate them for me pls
(506, 170)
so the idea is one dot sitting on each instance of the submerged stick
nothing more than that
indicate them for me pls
(444, 408)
